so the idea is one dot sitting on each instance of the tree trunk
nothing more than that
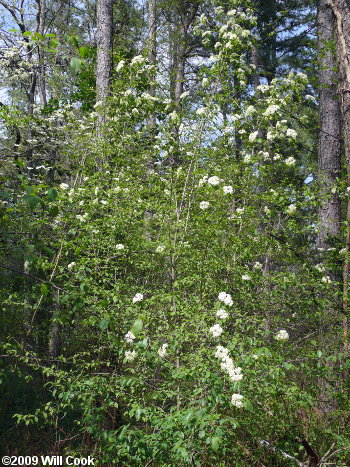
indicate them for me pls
(341, 11)
(41, 30)
(330, 127)
(152, 52)
(104, 41)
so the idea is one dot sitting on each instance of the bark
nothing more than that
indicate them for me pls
(104, 48)
(152, 52)
(330, 128)
(341, 11)
(41, 30)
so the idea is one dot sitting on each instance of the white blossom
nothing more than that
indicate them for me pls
(71, 265)
(250, 110)
(236, 400)
(216, 330)
(272, 109)
(63, 186)
(160, 249)
(120, 246)
(226, 298)
(228, 189)
(291, 133)
(257, 265)
(246, 277)
(326, 279)
(204, 205)
(120, 65)
(240, 210)
(215, 180)
(221, 352)
(222, 296)
(247, 159)
(263, 88)
(290, 161)
(320, 267)
(184, 94)
(282, 335)
(138, 298)
(129, 337)
(162, 351)
(222, 314)
(201, 111)
(252, 137)
(291, 209)
(137, 60)
(130, 355)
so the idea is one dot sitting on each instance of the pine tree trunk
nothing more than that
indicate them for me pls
(330, 127)
(341, 11)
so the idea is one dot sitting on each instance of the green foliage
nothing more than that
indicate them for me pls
(132, 259)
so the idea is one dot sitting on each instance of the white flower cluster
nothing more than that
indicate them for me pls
(291, 209)
(139, 59)
(290, 161)
(129, 337)
(204, 205)
(225, 298)
(215, 180)
(272, 109)
(234, 373)
(138, 298)
(216, 330)
(282, 335)
(222, 314)
(120, 246)
(228, 189)
(236, 400)
(163, 350)
(160, 249)
(130, 355)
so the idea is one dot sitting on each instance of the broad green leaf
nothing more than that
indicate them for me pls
(75, 64)
(52, 194)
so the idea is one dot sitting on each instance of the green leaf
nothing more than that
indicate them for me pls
(137, 327)
(75, 64)
(52, 194)
(29, 189)
(84, 287)
(215, 443)
(32, 200)
(83, 51)
(44, 290)
(54, 211)
(248, 405)
(104, 324)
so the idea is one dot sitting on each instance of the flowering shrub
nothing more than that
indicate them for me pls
(152, 376)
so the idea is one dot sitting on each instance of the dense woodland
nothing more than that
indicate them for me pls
(175, 231)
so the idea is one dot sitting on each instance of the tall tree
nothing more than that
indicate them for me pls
(330, 127)
(104, 40)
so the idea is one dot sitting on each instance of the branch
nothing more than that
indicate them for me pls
(31, 276)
